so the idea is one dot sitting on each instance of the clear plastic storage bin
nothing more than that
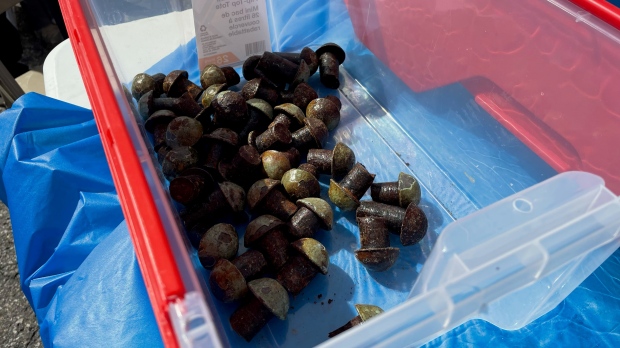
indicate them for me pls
(484, 102)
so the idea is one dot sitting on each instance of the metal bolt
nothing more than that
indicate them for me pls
(335, 100)
(219, 242)
(313, 213)
(248, 68)
(227, 197)
(215, 145)
(309, 168)
(276, 137)
(293, 113)
(177, 83)
(230, 110)
(177, 160)
(141, 84)
(375, 252)
(299, 184)
(330, 57)
(264, 196)
(347, 193)
(211, 75)
(228, 279)
(183, 131)
(337, 162)
(364, 312)
(259, 88)
(269, 299)
(275, 164)
(309, 258)
(311, 136)
(402, 192)
(184, 105)
(244, 168)
(266, 234)
(411, 223)
(157, 124)
(261, 113)
(325, 110)
(279, 71)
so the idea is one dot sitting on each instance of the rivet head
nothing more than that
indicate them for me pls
(219, 242)
(272, 295)
(211, 75)
(321, 208)
(314, 251)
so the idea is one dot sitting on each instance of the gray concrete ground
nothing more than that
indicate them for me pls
(18, 325)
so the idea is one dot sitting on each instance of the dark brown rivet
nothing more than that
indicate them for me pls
(159, 84)
(294, 114)
(275, 164)
(261, 113)
(184, 105)
(210, 93)
(311, 136)
(214, 146)
(219, 242)
(157, 124)
(277, 70)
(266, 234)
(335, 100)
(309, 258)
(259, 88)
(265, 197)
(402, 192)
(313, 213)
(337, 162)
(375, 252)
(281, 119)
(229, 110)
(232, 77)
(306, 54)
(141, 84)
(211, 75)
(347, 193)
(276, 137)
(177, 160)
(293, 156)
(244, 168)
(228, 279)
(309, 168)
(183, 131)
(189, 188)
(162, 151)
(300, 184)
(269, 299)
(227, 198)
(303, 95)
(252, 138)
(411, 223)
(325, 110)
(177, 83)
(248, 68)
(251, 264)
(377, 259)
(330, 57)
(414, 227)
(364, 311)
(393, 215)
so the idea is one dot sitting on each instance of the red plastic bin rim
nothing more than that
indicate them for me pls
(602, 9)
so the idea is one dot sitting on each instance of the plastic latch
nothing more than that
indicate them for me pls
(191, 321)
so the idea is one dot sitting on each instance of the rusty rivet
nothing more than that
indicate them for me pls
(183, 131)
(410, 223)
(210, 75)
(306, 54)
(157, 124)
(402, 192)
(375, 252)
(275, 164)
(187, 189)
(210, 93)
(276, 137)
(265, 196)
(325, 110)
(335, 100)
(313, 213)
(269, 299)
(279, 71)
(260, 114)
(260, 88)
(311, 136)
(232, 77)
(364, 312)
(266, 233)
(303, 95)
(337, 162)
(293, 113)
(177, 160)
(280, 119)
(248, 68)
(309, 168)
(293, 156)
(330, 57)
(141, 84)
(159, 84)
(227, 197)
(229, 110)
(215, 145)
(347, 193)
(219, 242)
(299, 184)
(309, 258)
(228, 279)
(244, 168)
(183, 105)
(177, 83)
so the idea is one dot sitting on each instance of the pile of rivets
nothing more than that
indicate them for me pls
(224, 150)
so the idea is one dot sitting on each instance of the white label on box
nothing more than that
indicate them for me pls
(229, 31)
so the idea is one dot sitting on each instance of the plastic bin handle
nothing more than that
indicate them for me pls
(601, 9)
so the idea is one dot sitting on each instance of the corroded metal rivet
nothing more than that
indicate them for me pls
(219, 242)
(293, 113)
(248, 68)
(309, 258)
(184, 105)
(269, 299)
(159, 84)
(306, 54)
(265, 196)
(260, 114)
(303, 95)
(214, 146)
(411, 223)
(335, 100)
(313, 213)
(325, 110)
(227, 197)
(347, 193)
(276, 137)
(210, 75)
(157, 124)
(293, 156)
(337, 162)
(177, 160)
(414, 227)
(299, 184)
(402, 192)
(275, 164)
(393, 215)
(266, 234)
(183, 131)
(330, 57)
(309, 168)
(375, 252)
(209, 95)
(177, 83)
(364, 312)
(229, 110)
(141, 84)
(186, 189)
(228, 279)
(311, 136)
(232, 77)
(279, 71)
(260, 88)
(244, 168)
